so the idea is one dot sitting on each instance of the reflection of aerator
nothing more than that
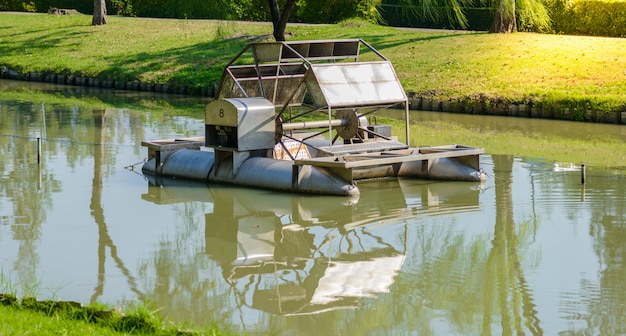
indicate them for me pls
(284, 271)
(299, 118)
(311, 264)
(293, 254)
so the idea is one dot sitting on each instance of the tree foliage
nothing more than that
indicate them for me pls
(330, 11)
(596, 18)
(27, 6)
(438, 11)
(504, 18)
(581, 17)
(333, 11)
(508, 15)
(532, 15)
(180, 9)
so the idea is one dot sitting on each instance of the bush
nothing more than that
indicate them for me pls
(17, 5)
(251, 10)
(333, 11)
(42, 6)
(595, 18)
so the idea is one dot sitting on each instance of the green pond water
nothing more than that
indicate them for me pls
(530, 251)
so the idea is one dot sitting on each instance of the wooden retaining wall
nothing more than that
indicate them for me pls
(206, 91)
(477, 106)
(515, 109)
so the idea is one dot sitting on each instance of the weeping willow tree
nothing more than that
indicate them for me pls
(504, 20)
(513, 15)
(532, 15)
(509, 15)
(437, 11)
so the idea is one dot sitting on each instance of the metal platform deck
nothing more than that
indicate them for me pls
(360, 148)
(361, 160)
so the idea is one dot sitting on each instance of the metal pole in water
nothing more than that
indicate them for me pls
(38, 150)
(583, 174)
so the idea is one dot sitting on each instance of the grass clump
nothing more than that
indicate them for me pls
(30, 316)
(20, 321)
(51, 317)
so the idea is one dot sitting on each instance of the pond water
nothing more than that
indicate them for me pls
(531, 250)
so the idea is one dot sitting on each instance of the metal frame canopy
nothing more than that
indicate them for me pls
(315, 76)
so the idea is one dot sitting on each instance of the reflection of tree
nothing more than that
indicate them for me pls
(281, 254)
(104, 240)
(289, 256)
(66, 132)
(506, 285)
(183, 282)
(606, 308)
(20, 184)
(598, 304)
(273, 252)
(479, 288)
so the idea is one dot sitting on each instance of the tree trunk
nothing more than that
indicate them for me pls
(99, 13)
(504, 20)
(279, 20)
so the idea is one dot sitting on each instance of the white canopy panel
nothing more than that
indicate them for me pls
(354, 84)
(357, 279)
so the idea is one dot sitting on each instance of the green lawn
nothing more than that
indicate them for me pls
(16, 321)
(570, 71)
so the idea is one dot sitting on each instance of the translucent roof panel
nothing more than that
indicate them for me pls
(354, 84)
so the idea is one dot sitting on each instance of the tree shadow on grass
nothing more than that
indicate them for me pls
(382, 42)
(200, 64)
(53, 38)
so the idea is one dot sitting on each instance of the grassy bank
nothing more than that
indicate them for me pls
(17, 321)
(579, 78)
(30, 316)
